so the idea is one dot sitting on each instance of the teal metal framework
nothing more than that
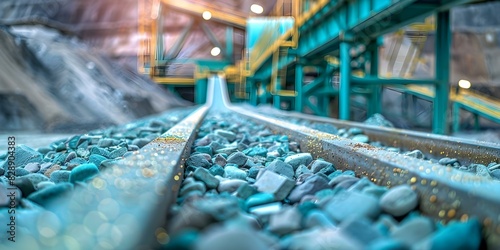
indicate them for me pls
(350, 31)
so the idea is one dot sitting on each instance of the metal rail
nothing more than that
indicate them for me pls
(124, 207)
(432, 145)
(444, 192)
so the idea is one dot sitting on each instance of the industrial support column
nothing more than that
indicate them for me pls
(299, 93)
(200, 93)
(252, 91)
(345, 80)
(375, 103)
(443, 44)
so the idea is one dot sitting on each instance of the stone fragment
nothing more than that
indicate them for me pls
(96, 159)
(21, 172)
(216, 170)
(25, 186)
(316, 218)
(399, 200)
(199, 186)
(32, 167)
(360, 138)
(231, 172)
(482, 170)
(259, 199)
(140, 142)
(413, 231)
(44, 184)
(34, 178)
(253, 151)
(219, 208)
(230, 185)
(387, 244)
(351, 204)
(302, 169)
(360, 229)
(299, 159)
(311, 185)
(245, 191)
(266, 209)
(203, 149)
(281, 168)
(83, 172)
(237, 158)
(119, 152)
(24, 155)
(458, 235)
(230, 136)
(285, 222)
(60, 176)
(416, 154)
(198, 160)
(51, 169)
(278, 185)
(447, 161)
(204, 176)
(220, 160)
(46, 195)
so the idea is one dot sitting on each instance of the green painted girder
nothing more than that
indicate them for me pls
(366, 20)
(265, 71)
(310, 88)
(391, 81)
(179, 43)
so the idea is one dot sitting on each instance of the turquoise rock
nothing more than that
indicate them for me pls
(199, 186)
(360, 138)
(24, 155)
(299, 159)
(346, 204)
(234, 173)
(245, 191)
(259, 199)
(318, 165)
(316, 218)
(119, 152)
(253, 171)
(399, 200)
(204, 176)
(281, 168)
(34, 178)
(237, 158)
(458, 235)
(60, 176)
(253, 151)
(198, 160)
(21, 172)
(204, 150)
(216, 170)
(46, 195)
(99, 151)
(25, 186)
(83, 172)
(311, 185)
(355, 131)
(140, 142)
(387, 244)
(230, 136)
(73, 142)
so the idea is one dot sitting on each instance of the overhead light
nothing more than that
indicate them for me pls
(206, 15)
(257, 9)
(464, 84)
(215, 51)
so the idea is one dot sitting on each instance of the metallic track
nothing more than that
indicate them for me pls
(445, 193)
(126, 206)
(432, 145)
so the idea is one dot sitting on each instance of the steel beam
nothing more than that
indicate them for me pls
(179, 43)
(441, 98)
(299, 78)
(345, 81)
(391, 81)
(229, 44)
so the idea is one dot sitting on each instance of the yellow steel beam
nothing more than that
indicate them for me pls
(232, 18)
(174, 81)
